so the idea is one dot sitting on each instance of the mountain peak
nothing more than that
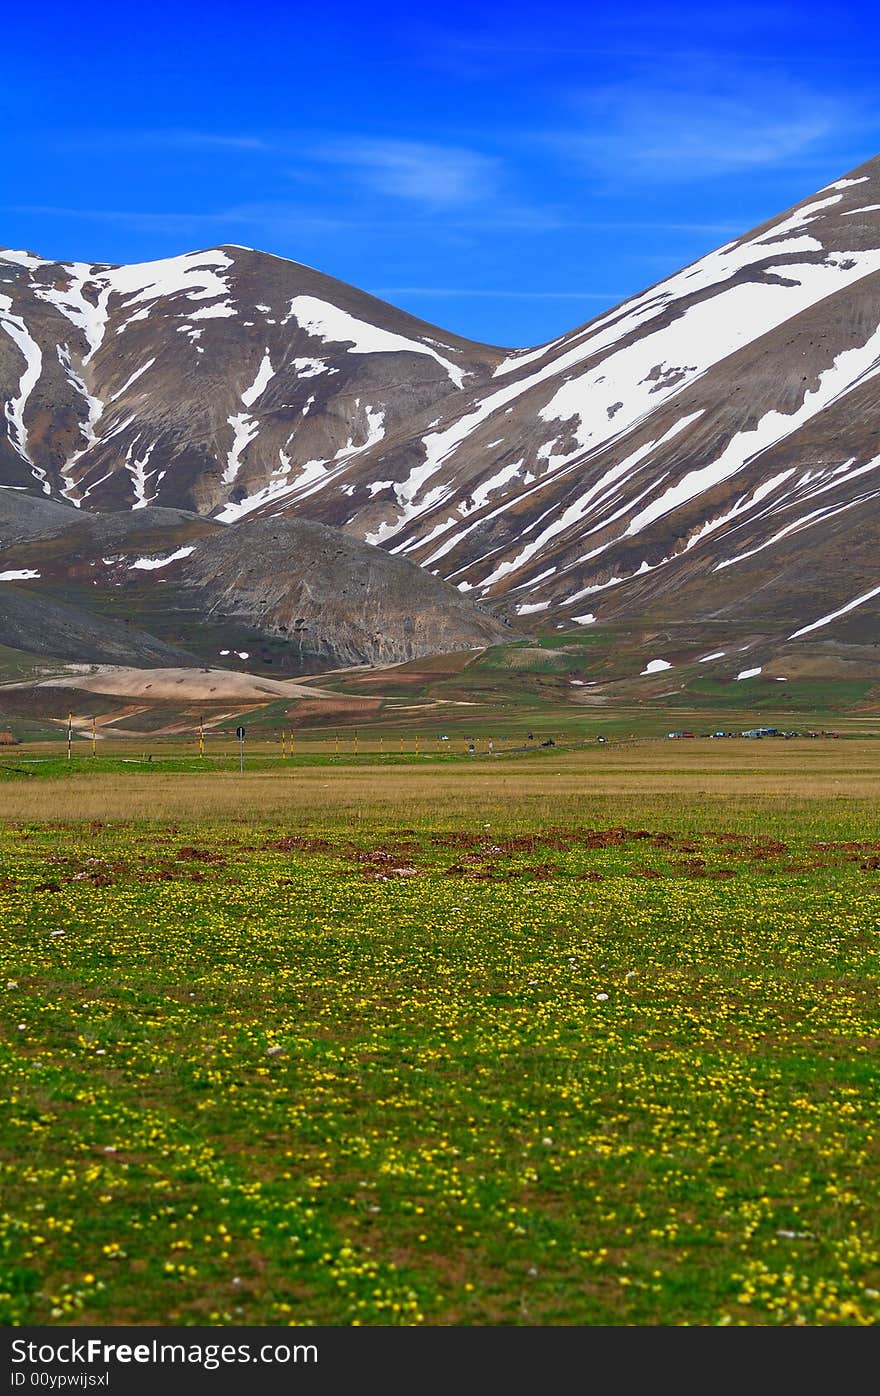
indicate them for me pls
(242, 368)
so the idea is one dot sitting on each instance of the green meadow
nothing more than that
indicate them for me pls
(584, 1037)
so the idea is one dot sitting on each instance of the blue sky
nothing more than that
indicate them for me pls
(506, 171)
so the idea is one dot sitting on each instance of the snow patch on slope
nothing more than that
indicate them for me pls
(576, 512)
(244, 426)
(94, 412)
(335, 326)
(265, 373)
(850, 367)
(23, 259)
(310, 368)
(137, 469)
(813, 517)
(132, 379)
(152, 564)
(90, 317)
(192, 275)
(29, 349)
(659, 365)
(221, 311)
(244, 429)
(280, 487)
(833, 615)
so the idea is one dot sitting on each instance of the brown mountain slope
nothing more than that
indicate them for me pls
(163, 587)
(199, 380)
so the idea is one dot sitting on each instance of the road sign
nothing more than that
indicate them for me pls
(239, 732)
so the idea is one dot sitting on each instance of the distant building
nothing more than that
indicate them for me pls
(8, 739)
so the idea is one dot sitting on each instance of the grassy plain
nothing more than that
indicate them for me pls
(533, 1036)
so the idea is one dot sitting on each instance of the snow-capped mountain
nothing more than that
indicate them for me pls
(204, 380)
(717, 435)
(708, 450)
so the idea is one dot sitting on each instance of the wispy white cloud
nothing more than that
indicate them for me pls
(171, 140)
(715, 120)
(560, 39)
(292, 218)
(431, 175)
(204, 140)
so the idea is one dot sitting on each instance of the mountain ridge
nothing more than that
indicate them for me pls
(705, 453)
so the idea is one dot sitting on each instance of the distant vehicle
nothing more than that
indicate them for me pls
(675, 734)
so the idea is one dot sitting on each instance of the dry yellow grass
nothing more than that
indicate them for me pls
(715, 780)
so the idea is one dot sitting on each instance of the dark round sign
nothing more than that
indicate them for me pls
(239, 732)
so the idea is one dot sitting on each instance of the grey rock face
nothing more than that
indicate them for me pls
(331, 595)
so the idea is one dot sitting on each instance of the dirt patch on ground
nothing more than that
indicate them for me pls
(296, 843)
(429, 669)
(316, 712)
(647, 856)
